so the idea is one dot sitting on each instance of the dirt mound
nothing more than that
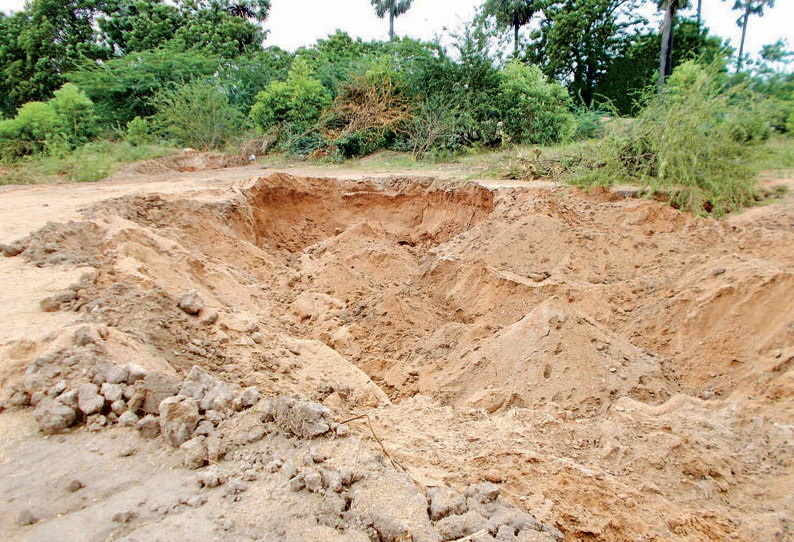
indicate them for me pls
(554, 354)
(72, 243)
(505, 357)
(187, 161)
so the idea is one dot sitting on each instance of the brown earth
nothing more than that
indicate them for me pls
(623, 371)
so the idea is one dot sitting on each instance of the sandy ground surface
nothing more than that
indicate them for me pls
(612, 368)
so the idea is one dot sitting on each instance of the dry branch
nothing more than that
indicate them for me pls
(394, 463)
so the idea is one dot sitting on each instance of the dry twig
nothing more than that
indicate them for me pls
(472, 536)
(394, 462)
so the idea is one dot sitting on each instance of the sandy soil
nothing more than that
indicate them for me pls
(616, 369)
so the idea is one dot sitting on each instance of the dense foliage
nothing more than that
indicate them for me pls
(694, 140)
(523, 72)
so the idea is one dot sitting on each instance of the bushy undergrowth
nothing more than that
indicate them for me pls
(198, 115)
(696, 141)
(61, 124)
(90, 162)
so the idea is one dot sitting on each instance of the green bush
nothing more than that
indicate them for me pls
(138, 132)
(198, 115)
(533, 110)
(28, 132)
(75, 112)
(685, 143)
(61, 124)
(293, 106)
(123, 88)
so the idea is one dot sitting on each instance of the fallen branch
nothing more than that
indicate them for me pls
(394, 463)
(472, 536)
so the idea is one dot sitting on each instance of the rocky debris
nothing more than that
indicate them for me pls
(482, 493)
(75, 243)
(191, 303)
(68, 398)
(220, 398)
(86, 335)
(158, 386)
(195, 451)
(135, 373)
(54, 303)
(148, 426)
(118, 375)
(54, 417)
(74, 486)
(210, 317)
(443, 502)
(248, 398)
(112, 392)
(305, 419)
(211, 477)
(179, 417)
(197, 383)
(216, 449)
(88, 399)
(14, 249)
(26, 517)
(96, 423)
(124, 517)
(458, 526)
(128, 419)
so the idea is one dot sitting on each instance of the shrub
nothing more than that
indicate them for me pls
(198, 115)
(75, 112)
(28, 132)
(368, 112)
(685, 142)
(122, 88)
(436, 125)
(533, 110)
(138, 132)
(293, 106)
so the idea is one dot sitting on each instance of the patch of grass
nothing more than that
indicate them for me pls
(530, 162)
(91, 162)
(777, 154)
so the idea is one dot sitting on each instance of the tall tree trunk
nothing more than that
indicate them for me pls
(700, 21)
(515, 35)
(700, 12)
(391, 26)
(667, 33)
(744, 33)
(669, 62)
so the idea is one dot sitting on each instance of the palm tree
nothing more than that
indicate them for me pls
(394, 8)
(749, 7)
(666, 55)
(250, 9)
(513, 14)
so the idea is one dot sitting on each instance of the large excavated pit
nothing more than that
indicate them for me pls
(592, 354)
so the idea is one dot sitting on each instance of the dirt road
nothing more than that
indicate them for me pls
(612, 368)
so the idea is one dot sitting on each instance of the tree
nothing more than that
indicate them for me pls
(635, 63)
(670, 7)
(513, 14)
(41, 43)
(748, 7)
(394, 8)
(219, 27)
(122, 88)
(580, 39)
(257, 10)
